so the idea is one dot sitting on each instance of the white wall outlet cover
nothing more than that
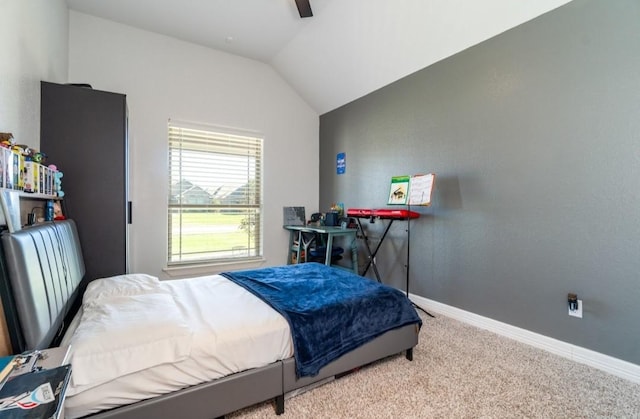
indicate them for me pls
(577, 312)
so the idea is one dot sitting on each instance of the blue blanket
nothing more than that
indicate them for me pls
(330, 311)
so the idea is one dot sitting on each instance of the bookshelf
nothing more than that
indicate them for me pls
(25, 183)
(21, 205)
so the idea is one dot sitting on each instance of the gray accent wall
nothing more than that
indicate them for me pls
(534, 137)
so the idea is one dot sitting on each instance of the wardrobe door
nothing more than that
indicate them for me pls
(84, 133)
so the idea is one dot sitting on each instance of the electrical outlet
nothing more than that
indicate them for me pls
(578, 311)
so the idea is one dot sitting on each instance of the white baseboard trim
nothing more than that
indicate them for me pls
(594, 359)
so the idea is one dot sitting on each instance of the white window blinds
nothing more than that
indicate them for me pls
(215, 195)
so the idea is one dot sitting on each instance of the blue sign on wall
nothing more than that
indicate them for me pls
(341, 163)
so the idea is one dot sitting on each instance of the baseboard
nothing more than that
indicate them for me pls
(594, 359)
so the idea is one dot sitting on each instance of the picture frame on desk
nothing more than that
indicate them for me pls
(293, 216)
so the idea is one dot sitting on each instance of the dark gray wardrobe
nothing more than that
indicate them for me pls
(83, 131)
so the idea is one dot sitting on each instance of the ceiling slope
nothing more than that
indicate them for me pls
(355, 47)
(348, 49)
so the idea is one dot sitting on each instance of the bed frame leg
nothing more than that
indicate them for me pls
(280, 404)
(409, 354)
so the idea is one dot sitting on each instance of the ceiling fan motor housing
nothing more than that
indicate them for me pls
(304, 8)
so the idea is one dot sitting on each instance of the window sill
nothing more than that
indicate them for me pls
(182, 271)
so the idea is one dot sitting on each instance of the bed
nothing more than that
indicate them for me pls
(42, 295)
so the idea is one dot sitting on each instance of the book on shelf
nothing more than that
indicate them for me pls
(35, 395)
(10, 168)
(32, 179)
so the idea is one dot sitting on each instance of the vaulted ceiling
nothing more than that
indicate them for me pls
(348, 48)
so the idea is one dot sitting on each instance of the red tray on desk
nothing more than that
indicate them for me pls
(387, 213)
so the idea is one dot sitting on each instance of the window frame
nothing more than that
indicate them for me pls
(217, 141)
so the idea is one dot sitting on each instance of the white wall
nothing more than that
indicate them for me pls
(33, 47)
(166, 78)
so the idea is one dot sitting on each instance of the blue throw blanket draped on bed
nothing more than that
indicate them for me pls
(330, 311)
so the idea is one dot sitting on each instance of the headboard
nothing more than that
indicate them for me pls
(44, 266)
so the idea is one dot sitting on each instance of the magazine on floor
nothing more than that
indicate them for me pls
(35, 395)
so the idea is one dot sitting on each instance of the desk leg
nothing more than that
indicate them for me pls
(299, 246)
(290, 248)
(327, 258)
(307, 245)
(354, 254)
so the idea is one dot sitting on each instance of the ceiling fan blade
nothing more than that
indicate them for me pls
(304, 8)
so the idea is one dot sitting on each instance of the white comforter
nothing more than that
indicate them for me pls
(202, 329)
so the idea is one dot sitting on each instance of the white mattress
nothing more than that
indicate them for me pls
(232, 331)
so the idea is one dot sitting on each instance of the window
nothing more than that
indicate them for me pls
(215, 195)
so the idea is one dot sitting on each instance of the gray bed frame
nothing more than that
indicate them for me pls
(42, 273)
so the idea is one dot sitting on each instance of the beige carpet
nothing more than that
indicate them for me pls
(460, 371)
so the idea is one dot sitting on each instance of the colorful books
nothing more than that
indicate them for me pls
(35, 395)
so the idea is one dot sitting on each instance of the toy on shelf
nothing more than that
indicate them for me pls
(57, 181)
(32, 154)
(57, 212)
(6, 139)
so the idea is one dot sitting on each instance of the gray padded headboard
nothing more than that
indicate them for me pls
(45, 268)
